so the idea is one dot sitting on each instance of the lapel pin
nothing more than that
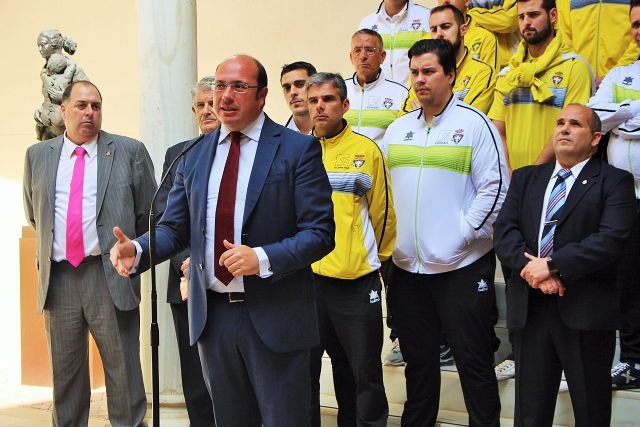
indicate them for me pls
(108, 153)
(584, 182)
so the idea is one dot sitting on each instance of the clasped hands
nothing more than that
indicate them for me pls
(240, 260)
(538, 276)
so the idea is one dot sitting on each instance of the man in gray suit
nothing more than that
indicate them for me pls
(77, 187)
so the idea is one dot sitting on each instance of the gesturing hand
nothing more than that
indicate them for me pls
(123, 253)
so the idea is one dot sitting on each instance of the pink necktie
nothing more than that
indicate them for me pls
(75, 243)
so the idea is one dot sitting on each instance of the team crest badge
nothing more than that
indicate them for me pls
(557, 79)
(374, 27)
(358, 161)
(482, 286)
(416, 24)
(466, 80)
(475, 47)
(374, 297)
(408, 136)
(457, 136)
(388, 102)
(627, 81)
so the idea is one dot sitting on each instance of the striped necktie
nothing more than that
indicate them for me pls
(556, 201)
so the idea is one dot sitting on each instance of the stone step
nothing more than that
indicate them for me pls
(626, 403)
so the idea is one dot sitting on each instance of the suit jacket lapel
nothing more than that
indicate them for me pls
(582, 184)
(203, 169)
(105, 152)
(267, 147)
(52, 162)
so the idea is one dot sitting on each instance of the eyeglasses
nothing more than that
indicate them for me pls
(237, 87)
(367, 50)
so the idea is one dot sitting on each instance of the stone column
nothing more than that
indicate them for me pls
(168, 67)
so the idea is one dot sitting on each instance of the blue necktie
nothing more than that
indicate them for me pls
(556, 201)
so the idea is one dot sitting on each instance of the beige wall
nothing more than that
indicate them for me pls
(276, 32)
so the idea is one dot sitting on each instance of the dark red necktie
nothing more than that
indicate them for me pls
(226, 207)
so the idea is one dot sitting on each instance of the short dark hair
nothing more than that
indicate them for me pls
(457, 15)
(67, 92)
(633, 3)
(547, 5)
(372, 33)
(335, 79)
(441, 48)
(594, 122)
(262, 74)
(298, 65)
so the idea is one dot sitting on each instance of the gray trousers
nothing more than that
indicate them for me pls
(79, 302)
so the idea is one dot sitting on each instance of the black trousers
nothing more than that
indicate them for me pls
(196, 395)
(543, 349)
(350, 322)
(629, 289)
(461, 304)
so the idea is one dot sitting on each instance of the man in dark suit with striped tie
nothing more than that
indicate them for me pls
(561, 231)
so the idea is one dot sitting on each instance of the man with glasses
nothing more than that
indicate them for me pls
(375, 100)
(254, 201)
(293, 79)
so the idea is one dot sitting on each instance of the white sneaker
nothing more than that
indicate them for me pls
(394, 358)
(564, 387)
(505, 370)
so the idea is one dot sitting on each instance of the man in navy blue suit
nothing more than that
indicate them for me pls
(251, 307)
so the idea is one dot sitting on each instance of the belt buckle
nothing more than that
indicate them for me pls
(233, 298)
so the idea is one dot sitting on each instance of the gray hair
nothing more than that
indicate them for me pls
(335, 79)
(205, 84)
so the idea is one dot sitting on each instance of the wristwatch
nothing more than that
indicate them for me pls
(551, 265)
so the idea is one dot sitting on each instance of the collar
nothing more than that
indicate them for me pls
(469, 24)
(464, 58)
(380, 78)
(398, 16)
(252, 131)
(453, 101)
(575, 170)
(68, 146)
(346, 130)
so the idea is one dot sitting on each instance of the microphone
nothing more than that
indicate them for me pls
(184, 151)
(155, 334)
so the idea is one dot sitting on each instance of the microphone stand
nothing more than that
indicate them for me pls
(155, 333)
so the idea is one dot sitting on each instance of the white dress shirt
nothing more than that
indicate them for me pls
(248, 148)
(89, 197)
(568, 182)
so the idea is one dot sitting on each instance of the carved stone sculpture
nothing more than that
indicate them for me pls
(58, 71)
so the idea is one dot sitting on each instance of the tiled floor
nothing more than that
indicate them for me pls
(31, 407)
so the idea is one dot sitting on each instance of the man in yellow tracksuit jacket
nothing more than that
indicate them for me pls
(348, 286)
(475, 80)
(598, 32)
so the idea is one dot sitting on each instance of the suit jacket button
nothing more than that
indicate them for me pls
(201, 266)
